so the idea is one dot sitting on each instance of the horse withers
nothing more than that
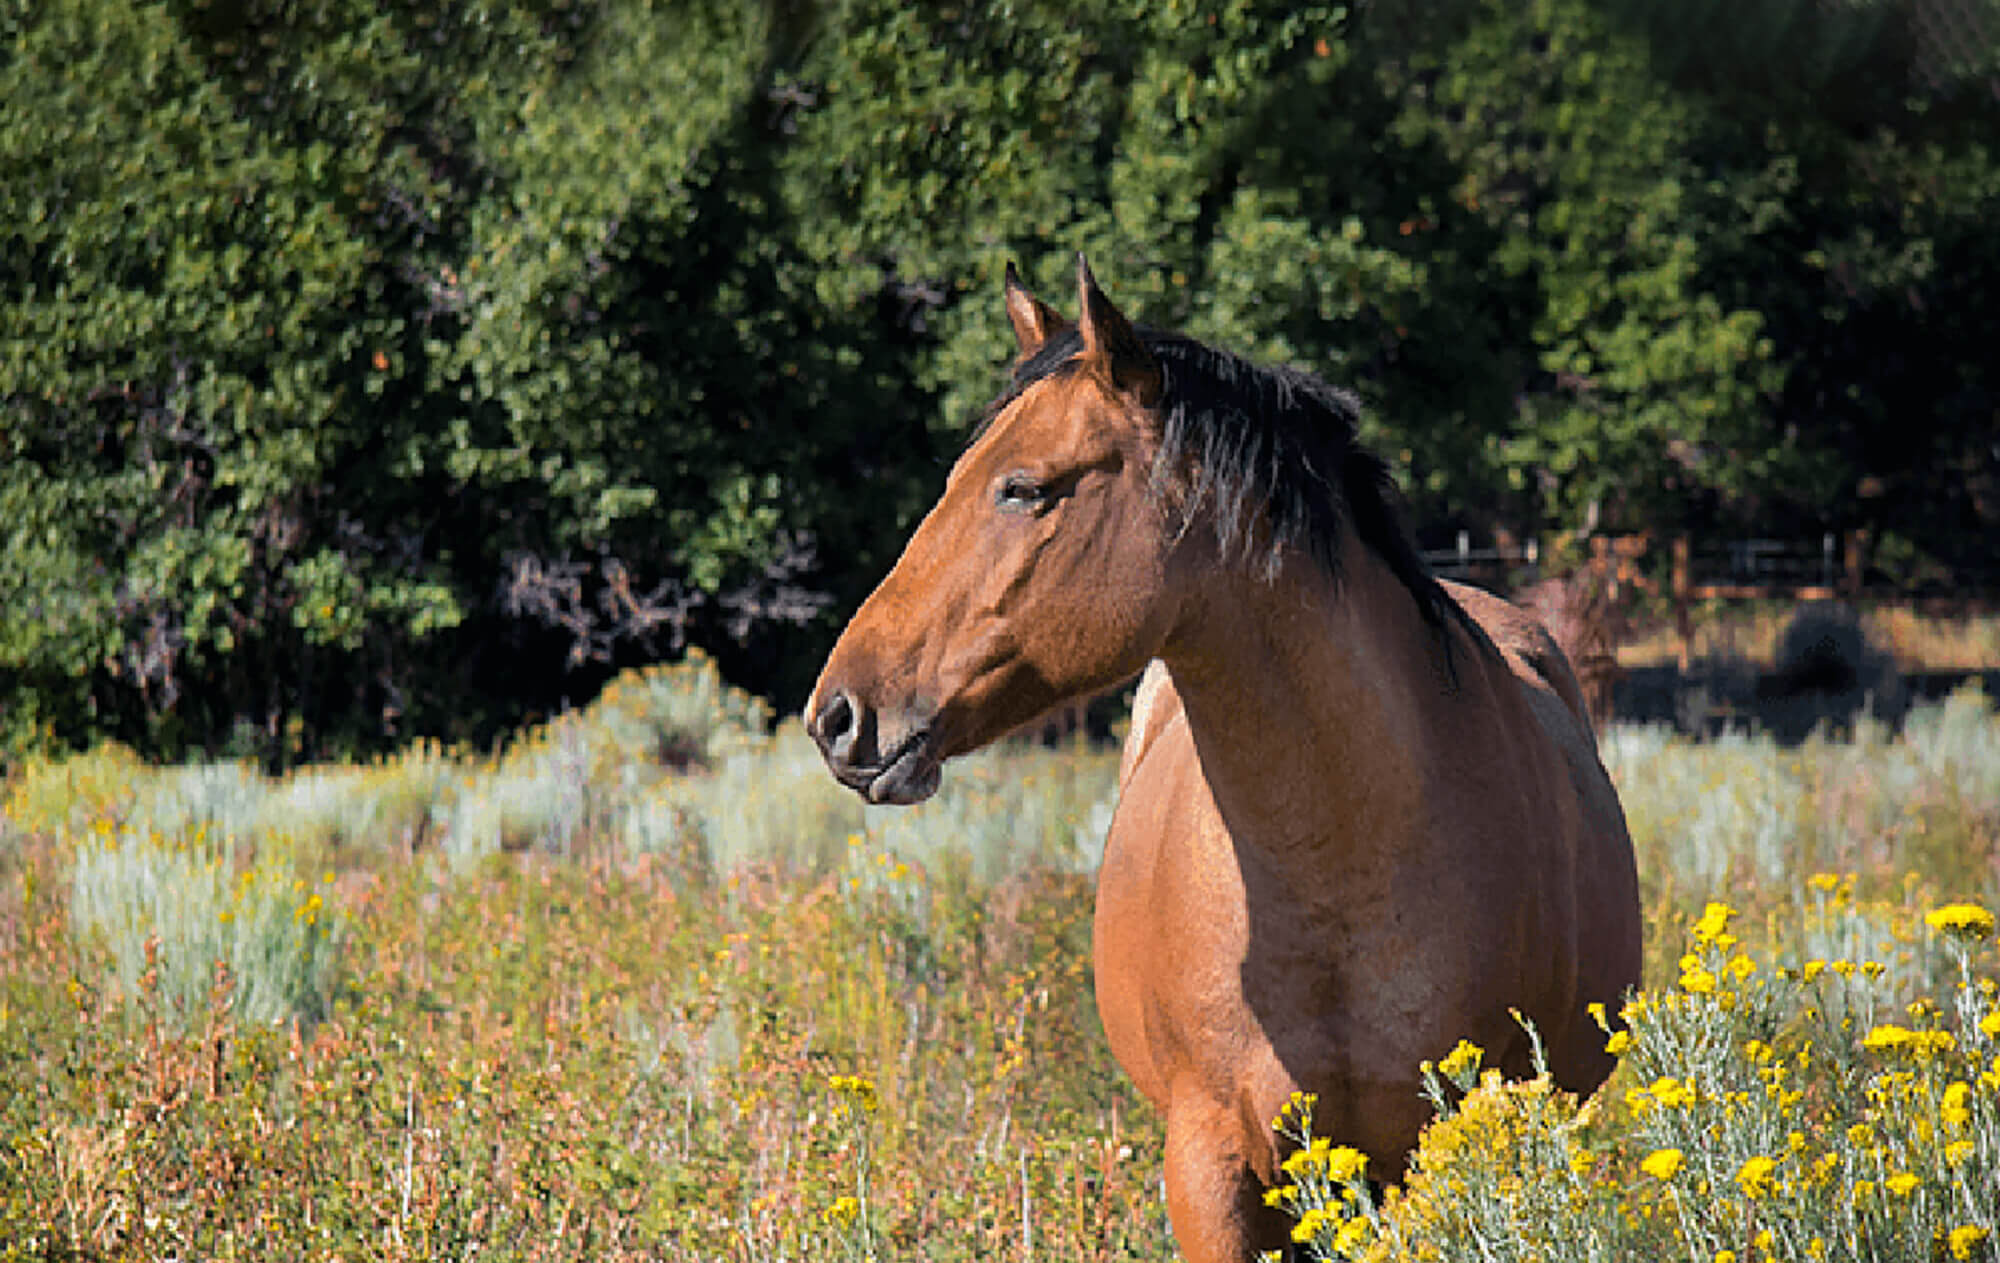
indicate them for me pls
(1361, 814)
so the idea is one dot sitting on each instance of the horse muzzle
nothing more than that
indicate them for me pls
(897, 764)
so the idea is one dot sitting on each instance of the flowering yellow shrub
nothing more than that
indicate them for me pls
(1773, 1109)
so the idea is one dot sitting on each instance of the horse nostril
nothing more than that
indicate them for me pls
(833, 727)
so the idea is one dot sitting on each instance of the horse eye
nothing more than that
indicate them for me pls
(1019, 491)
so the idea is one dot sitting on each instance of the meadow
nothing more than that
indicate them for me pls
(648, 984)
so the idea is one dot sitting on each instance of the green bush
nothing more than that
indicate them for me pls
(170, 909)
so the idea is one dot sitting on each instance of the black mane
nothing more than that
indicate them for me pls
(1250, 441)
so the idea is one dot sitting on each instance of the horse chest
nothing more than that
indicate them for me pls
(1187, 977)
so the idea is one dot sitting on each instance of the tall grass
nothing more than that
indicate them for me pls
(172, 910)
(615, 991)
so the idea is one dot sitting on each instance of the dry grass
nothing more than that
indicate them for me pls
(607, 1042)
(1915, 640)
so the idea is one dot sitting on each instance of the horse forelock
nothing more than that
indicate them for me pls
(1256, 444)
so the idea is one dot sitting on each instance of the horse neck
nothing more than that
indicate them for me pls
(1307, 702)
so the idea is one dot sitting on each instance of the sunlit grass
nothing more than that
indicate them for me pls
(612, 993)
(1754, 631)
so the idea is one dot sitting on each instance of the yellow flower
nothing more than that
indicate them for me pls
(1963, 920)
(1297, 1108)
(1662, 1163)
(1310, 1223)
(1725, 1256)
(1963, 1241)
(1695, 980)
(1954, 1109)
(1351, 1235)
(1461, 1060)
(1989, 1025)
(1619, 1042)
(843, 1212)
(1713, 923)
(858, 1091)
(1902, 1184)
(1886, 1038)
(1754, 1176)
(1344, 1164)
(1671, 1092)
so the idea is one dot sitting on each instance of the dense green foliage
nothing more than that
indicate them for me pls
(371, 368)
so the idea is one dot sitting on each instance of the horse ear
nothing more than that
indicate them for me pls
(1110, 340)
(1034, 321)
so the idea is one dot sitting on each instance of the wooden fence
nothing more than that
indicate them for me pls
(1585, 606)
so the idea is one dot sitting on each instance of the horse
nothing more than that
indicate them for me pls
(1361, 814)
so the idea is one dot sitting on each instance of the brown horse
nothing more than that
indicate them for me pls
(1361, 813)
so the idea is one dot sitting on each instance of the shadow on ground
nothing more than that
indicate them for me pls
(1825, 675)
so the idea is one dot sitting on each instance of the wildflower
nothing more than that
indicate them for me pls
(1887, 1038)
(1713, 924)
(1310, 1223)
(1351, 1235)
(1812, 970)
(1725, 1256)
(1297, 1109)
(1989, 1025)
(1959, 1152)
(1662, 1163)
(859, 1091)
(1344, 1164)
(1954, 1109)
(1754, 1176)
(1280, 1194)
(1671, 1092)
(1695, 979)
(1968, 921)
(1963, 1241)
(1619, 1043)
(844, 1211)
(1901, 1184)
(1462, 1060)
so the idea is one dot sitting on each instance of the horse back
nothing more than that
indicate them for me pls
(1530, 651)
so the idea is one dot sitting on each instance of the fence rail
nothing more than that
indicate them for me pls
(1832, 567)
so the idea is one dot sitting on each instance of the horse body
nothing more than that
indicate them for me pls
(1361, 814)
(1319, 878)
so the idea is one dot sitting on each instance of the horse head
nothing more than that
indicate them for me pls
(1039, 577)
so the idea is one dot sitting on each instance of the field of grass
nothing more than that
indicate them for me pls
(649, 985)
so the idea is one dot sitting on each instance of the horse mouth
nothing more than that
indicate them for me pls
(911, 776)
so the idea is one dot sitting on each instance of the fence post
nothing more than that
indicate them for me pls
(1683, 617)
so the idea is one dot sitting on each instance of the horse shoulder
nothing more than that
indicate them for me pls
(1530, 651)
(1153, 708)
